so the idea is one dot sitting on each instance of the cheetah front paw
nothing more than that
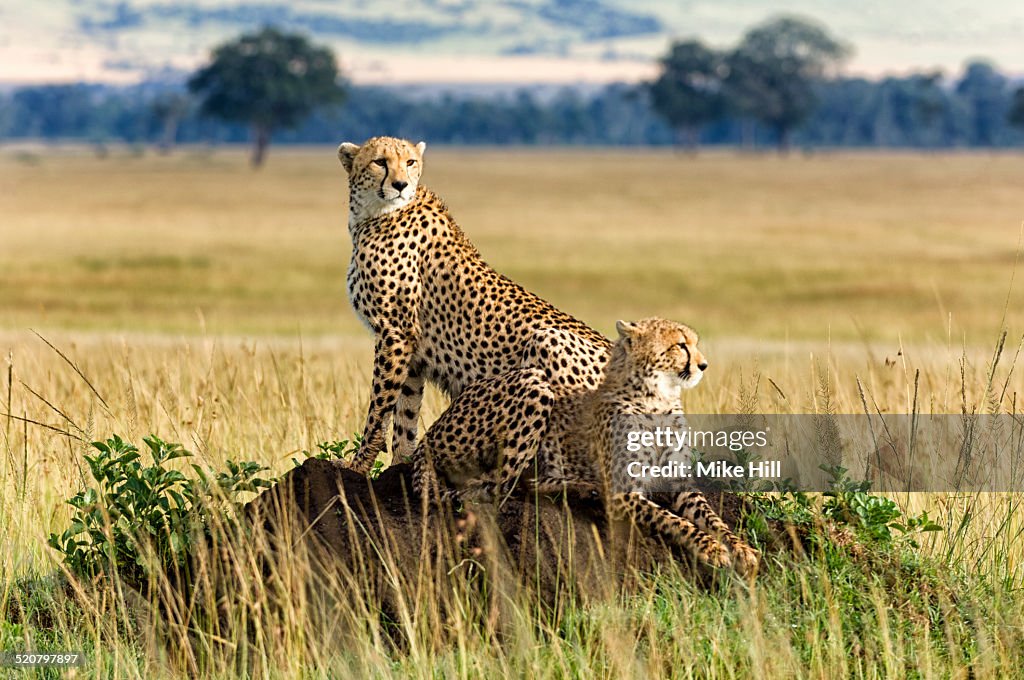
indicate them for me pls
(715, 555)
(746, 560)
(361, 462)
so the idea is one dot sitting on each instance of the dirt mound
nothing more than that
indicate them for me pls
(371, 529)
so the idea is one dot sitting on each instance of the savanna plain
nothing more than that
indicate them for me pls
(190, 297)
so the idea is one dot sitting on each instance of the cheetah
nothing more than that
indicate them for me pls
(491, 433)
(437, 311)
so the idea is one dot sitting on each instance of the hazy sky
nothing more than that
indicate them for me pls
(887, 34)
(59, 40)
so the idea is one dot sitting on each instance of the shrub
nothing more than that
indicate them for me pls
(134, 515)
(850, 502)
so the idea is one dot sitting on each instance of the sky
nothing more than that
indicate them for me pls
(487, 41)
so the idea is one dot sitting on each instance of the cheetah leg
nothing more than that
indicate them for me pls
(391, 362)
(527, 424)
(648, 515)
(407, 413)
(425, 481)
(693, 505)
(434, 493)
(558, 485)
(434, 489)
(558, 476)
(489, 435)
(525, 412)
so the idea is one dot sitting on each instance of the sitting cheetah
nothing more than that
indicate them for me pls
(438, 312)
(490, 434)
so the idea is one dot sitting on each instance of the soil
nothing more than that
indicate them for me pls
(363, 526)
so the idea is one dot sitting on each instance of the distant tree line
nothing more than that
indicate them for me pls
(778, 86)
(783, 77)
(770, 77)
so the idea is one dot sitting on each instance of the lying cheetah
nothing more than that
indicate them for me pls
(438, 312)
(490, 434)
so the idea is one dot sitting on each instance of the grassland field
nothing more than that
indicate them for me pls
(206, 302)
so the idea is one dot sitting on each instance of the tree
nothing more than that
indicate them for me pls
(269, 80)
(168, 109)
(773, 72)
(929, 103)
(1016, 115)
(983, 90)
(908, 110)
(688, 93)
(51, 111)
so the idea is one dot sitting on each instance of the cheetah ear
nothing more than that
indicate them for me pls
(421, 147)
(347, 153)
(626, 329)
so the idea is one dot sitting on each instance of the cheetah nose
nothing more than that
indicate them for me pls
(399, 185)
(703, 365)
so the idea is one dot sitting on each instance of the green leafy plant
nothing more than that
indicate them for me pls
(850, 502)
(341, 449)
(241, 476)
(784, 503)
(134, 512)
(912, 524)
(336, 450)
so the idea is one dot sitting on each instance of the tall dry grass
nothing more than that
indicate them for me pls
(268, 400)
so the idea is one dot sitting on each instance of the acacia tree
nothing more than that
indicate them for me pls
(773, 71)
(269, 80)
(688, 93)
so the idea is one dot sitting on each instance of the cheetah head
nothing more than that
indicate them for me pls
(662, 353)
(383, 175)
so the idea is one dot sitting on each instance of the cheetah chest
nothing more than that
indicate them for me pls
(382, 281)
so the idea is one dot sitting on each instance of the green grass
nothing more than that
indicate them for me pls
(843, 607)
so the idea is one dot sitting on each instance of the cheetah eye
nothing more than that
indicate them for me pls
(411, 162)
(382, 162)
